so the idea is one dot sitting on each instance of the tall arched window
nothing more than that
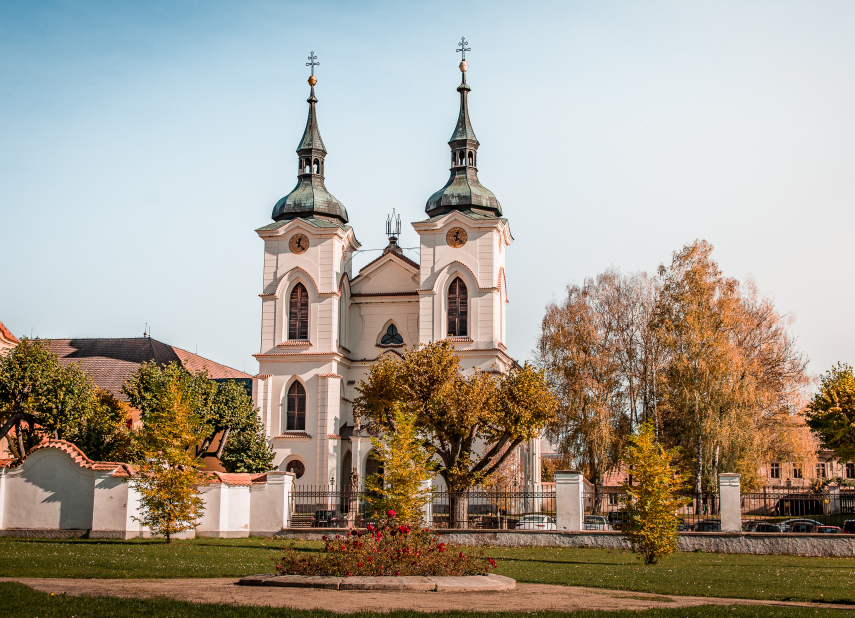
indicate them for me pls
(458, 308)
(298, 313)
(296, 407)
(317, 167)
(471, 159)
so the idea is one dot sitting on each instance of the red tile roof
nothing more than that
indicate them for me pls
(117, 468)
(110, 362)
(5, 332)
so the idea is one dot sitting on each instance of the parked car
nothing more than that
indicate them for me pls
(849, 526)
(329, 519)
(596, 522)
(787, 524)
(764, 526)
(828, 530)
(802, 527)
(536, 522)
(708, 525)
(682, 526)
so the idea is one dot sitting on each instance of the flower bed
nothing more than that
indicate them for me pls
(390, 549)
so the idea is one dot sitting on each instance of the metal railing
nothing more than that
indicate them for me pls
(494, 510)
(780, 504)
(606, 510)
(326, 507)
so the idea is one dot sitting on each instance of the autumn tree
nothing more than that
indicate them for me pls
(225, 410)
(832, 412)
(40, 398)
(166, 474)
(652, 498)
(579, 352)
(407, 466)
(469, 422)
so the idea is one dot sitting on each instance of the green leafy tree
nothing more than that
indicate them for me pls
(470, 423)
(166, 476)
(831, 414)
(225, 411)
(41, 398)
(406, 466)
(652, 498)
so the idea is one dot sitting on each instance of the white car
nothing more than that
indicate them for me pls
(537, 522)
(597, 522)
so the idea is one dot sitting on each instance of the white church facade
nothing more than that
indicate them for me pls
(322, 327)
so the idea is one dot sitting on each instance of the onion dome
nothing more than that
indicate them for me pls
(463, 191)
(310, 197)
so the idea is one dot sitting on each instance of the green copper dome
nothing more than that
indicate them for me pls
(463, 191)
(310, 197)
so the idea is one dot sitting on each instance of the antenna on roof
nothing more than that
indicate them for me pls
(393, 225)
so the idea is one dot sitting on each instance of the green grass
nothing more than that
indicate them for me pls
(23, 602)
(830, 580)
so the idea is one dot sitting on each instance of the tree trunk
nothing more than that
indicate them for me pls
(19, 434)
(458, 509)
(699, 469)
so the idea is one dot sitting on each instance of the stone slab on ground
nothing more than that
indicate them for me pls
(491, 582)
(526, 597)
(413, 584)
(302, 581)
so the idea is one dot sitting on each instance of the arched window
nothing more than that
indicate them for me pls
(462, 158)
(307, 167)
(317, 168)
(298, 313)
(453, 159)
(392, 336)
(458, 308)
(471, 159)
(296, 408)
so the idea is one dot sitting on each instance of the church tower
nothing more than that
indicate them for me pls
(462, 287)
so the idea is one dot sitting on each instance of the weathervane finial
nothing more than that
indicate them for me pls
(311, 63)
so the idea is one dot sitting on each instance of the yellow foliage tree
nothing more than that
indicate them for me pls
(652, 498)
(407, 466)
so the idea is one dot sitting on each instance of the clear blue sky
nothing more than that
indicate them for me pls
(142, 143)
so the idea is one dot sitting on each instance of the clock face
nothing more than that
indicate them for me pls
(456, 237)
(298, 243)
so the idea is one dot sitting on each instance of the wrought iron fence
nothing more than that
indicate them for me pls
(780, 505)
(606, 510)
(494, 510)
(325, 507)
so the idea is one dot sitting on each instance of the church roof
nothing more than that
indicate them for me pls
(312, 135)
(110, 362)
(477, 216)
(6, 336)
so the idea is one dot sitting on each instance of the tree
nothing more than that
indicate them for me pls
(470, 423)
(225, 411)
(579, 351)
(40, 398)
(166, 476)
(406, 466)
(652, 499)
(832, 412)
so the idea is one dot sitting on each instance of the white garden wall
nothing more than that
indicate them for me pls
(58, 489)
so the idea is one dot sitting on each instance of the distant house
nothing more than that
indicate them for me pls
(111, 362)
(7, 339)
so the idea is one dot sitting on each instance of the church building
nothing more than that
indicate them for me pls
(322, 327)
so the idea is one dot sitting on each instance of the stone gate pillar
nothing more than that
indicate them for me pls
(568, 500)
(731, 502)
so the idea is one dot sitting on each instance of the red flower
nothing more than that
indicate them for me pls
(391, 513)
(324, 537)
(359, 564)
(492, 562)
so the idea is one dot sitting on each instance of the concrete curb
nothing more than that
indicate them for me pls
(470, 583)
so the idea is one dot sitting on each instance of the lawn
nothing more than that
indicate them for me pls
(699, 574)
(23, 602)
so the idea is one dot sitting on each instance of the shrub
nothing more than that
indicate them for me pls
(391, 548)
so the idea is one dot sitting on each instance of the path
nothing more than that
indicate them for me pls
(526, 597)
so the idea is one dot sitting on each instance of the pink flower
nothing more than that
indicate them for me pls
(391, 513)
(492, 562)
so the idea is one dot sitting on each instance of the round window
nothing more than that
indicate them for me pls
(296, 466)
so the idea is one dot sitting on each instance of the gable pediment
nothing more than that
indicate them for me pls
(389, 274)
